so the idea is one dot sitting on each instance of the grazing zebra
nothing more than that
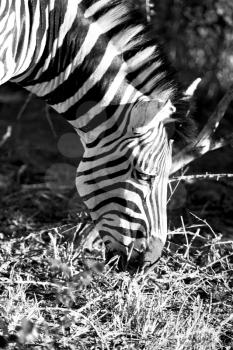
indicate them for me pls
(96, 63)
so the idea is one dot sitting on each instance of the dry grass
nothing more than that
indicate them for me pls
(50, 299)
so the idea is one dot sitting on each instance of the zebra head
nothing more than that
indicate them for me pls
(124, 185)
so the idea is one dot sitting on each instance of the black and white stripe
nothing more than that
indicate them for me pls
(95, 62)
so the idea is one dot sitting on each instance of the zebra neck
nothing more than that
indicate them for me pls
(95, 59)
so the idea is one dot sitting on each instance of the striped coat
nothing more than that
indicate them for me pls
(96, 63)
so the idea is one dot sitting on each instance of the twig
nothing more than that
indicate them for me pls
(48, 117)
(24, 106)
(177, 179)
(188, 178)
(205, 141)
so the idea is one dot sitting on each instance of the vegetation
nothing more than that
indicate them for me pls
(53, 296)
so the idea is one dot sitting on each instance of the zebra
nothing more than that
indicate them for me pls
(97, 64)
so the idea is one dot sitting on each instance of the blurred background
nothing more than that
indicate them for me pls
(39, 158)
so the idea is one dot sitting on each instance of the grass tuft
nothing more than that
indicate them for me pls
(50, 299)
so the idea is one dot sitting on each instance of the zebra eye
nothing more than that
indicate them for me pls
(143, 176)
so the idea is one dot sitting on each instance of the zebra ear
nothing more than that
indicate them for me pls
(191, 89)
(150, 113)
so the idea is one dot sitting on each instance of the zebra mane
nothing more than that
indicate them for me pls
(147, 68)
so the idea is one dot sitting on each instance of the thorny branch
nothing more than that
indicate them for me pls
(189, 178)
(205, 141)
